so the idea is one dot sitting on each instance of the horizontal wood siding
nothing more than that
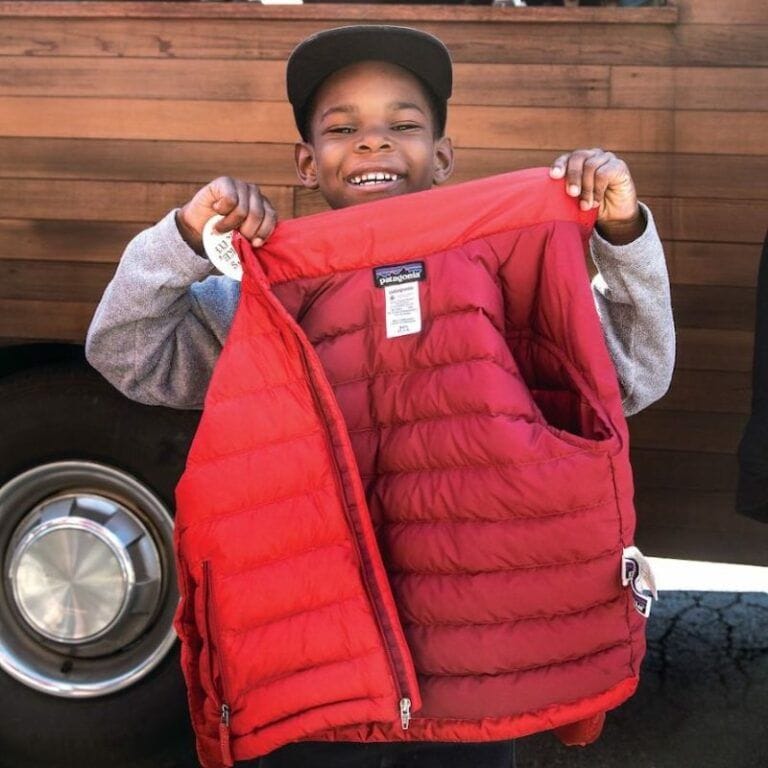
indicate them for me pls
(112, 113)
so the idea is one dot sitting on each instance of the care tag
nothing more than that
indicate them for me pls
(403, 310)
(636, 571)
(401, 296)
(219, 249)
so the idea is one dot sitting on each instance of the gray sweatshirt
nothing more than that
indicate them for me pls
(163, 318)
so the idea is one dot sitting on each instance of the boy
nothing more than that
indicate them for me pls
(370, 105)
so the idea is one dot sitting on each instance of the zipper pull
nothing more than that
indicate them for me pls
(226, 749)
(405, 713)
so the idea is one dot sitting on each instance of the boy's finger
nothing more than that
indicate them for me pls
(253, 220)
(237, 214)
(604, 175)
(591, 166)
(575, 170)
(268, 224)
(224, 194)
(557, 169)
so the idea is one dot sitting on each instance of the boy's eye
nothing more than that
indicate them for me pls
(406, 126)
(341, 129)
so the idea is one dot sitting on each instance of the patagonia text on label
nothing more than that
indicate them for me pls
(399, 273)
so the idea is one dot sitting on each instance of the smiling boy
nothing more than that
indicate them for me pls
(348, 153)
(370, 104)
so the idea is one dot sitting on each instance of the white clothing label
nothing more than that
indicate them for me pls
(401, 294)
(403, 309)
(219, 249)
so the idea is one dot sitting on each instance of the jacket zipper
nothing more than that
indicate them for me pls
(404, 700)
(220, 690)
(405, 713)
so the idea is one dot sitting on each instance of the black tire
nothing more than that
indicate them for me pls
(69, 412)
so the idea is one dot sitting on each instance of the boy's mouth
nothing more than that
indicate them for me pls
(374, 179)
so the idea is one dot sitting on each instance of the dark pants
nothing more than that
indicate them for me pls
(421, 754)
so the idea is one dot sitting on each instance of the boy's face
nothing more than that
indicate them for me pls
(372, 118)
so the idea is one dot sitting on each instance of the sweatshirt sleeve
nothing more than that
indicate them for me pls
(161, 323)
(632, 295)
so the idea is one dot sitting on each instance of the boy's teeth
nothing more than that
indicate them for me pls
(374, 177)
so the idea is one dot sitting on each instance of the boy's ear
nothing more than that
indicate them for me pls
(306, 168)
(443, 160)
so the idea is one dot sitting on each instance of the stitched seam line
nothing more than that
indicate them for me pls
(291, 556)
(531, 668)
(502, 718)
(283, 675)
(314, 609)
(253, 728)
(529, 617)
(511, 519)
(250, 392)
(444, 416)
(400, 372)
(251, 449)
(216, 517)
(487, 465)
(316, 341)
(511, 569)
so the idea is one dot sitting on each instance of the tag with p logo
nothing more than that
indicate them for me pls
(401, 295)
(636, 572)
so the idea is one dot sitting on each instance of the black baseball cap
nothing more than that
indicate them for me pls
(324, 53)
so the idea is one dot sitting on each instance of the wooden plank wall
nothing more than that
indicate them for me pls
(111, 113)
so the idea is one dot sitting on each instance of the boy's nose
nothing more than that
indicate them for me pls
(374, 139)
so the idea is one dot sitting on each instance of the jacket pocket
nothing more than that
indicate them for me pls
(212, 665)
(184, 618)
(565, 403)
(566, 410)
(188, 630)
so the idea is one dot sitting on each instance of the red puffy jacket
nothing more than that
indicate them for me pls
(384, 537)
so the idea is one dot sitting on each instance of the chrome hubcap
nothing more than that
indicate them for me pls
(70, 583)
(79, 564)
(89, 587)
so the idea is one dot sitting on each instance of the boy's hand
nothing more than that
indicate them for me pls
(242, 205)
(602, 180)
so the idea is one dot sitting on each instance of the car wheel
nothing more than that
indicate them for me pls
(88, 658)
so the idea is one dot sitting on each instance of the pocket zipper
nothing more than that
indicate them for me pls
(220, 691)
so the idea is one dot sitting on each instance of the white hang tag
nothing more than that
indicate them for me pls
(636, 571)
(219, 249)
(643, 603)
(644, 572)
